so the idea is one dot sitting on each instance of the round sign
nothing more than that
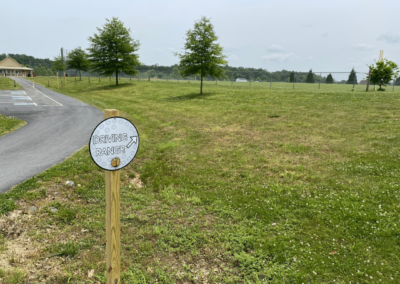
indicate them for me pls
(114, 143)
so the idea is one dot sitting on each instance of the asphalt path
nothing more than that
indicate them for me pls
(57, 126)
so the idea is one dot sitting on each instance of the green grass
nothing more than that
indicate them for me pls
(241, 185)
(9, 124)
(8, 84)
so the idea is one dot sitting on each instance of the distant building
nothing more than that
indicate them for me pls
(363, 82)
(10, 67)
(241, 80)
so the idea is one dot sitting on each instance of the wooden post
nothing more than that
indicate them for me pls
(14, 84)
(58, 83)
(369, 77)
(33, 84)
(113, 254)
(65, 80)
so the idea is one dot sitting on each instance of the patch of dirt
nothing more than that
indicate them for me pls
(136, 181)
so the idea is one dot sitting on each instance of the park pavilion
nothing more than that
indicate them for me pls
(10, 67)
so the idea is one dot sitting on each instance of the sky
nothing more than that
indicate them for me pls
(271, 34)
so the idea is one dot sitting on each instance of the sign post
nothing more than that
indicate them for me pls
(113, 145)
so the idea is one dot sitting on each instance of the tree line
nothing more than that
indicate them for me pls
(112, 52)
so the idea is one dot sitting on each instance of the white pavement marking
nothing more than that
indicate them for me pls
(25, 104)
(39, 92)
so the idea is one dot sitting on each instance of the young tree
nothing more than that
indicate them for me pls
(59, 64)
(152, 73)
(202, 56)
(383, 72)
(329, 79)
(310, 77)
(78, 59)
(112, 50)
(291, 80)
(352, 77)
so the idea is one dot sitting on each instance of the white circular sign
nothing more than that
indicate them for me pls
(114, 139)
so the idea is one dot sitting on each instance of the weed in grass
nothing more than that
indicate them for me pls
(15, 276)
(3, 246)
(69, 249)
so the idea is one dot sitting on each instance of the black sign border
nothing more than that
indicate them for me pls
(90, 152)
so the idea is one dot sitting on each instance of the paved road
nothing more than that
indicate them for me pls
(57, 126)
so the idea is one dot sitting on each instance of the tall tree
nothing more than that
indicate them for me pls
(112, 50)
(329, 79)
(59, 63)
(310, 77)
(383, 72)
(202, 56)
(78, 59)
(291, 77)
(352, 77)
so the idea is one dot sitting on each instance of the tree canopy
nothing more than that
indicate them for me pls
(78, 59)
(291, 77)
(352, 77)
(112, 50)
(329, 79)
(59, 63)
(310, 77)
(383, 72)
(202, 56)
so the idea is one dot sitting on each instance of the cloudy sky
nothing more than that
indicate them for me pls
(269, 34)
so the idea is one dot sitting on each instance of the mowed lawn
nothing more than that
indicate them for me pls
(8, 124)
(238, 185)
(8, 84)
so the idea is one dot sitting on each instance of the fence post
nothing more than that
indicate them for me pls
(369, 77)
(16, 85)
(58, 84)
(294, 76)
(354, 80)
(319, 85)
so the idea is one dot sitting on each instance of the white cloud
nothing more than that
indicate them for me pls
(389, 38)
(275, 48)
(362, 46)
(233, 57)
(280, 57)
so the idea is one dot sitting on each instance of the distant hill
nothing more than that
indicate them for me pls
(28, 60)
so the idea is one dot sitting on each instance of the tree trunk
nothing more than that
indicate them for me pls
(80, 78)
(116, 78)
(201, 84)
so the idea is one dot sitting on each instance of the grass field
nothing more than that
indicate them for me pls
(9, 124)
(239, 185)
(7, 84)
